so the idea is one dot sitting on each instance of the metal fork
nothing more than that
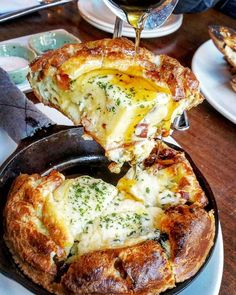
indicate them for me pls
(181, 123)
(42, 4)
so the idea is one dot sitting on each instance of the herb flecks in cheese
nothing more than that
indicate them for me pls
(81, 200)
(126, 226)
(153, 189)
(119, 108)
(98, 216)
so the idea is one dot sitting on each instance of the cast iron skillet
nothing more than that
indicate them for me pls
(61, 148)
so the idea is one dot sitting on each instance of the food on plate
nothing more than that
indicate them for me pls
(123, 100)
(86, 236)
(225, 40)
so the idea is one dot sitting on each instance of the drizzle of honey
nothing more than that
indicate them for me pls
(145, 91)
(143, 87)
(137, 20)
(124, 185)
(165, 129)
(167, 122)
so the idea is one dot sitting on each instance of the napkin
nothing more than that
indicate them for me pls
(12, 5)
(18, 115)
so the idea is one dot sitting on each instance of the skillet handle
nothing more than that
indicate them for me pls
(18, 115)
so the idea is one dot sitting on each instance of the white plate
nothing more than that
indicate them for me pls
(208, 282)
(100, 16)
(212, 71)
(25, 86)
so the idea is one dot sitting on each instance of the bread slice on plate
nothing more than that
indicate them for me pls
(225, 40)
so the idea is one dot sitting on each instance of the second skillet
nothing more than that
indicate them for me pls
(44, 146)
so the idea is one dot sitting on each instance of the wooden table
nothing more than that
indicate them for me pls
(211, 140)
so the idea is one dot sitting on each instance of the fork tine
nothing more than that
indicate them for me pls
(118, 28)
(181, 123)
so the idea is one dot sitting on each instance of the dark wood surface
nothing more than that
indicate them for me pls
(211, 140)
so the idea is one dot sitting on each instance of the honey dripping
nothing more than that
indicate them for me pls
(137, 12)
(137, 20)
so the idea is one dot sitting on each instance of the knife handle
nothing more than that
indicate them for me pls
(12, 15)
(18, 116)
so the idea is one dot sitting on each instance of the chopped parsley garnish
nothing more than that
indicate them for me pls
(118, 102)
(147, 190)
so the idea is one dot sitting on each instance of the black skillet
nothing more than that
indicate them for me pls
(55, 147)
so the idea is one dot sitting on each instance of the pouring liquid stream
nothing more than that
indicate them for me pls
(137, 12)
(137, 20)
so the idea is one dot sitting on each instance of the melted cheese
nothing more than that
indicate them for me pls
(115, 103)
(122, 111)
(151, 188)
(76, 202)
(115, 107)
(88, 214)
(125, 223)
(93, 215)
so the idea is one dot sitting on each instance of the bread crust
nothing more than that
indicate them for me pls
(224, 39)
(191, 233)
(116, 54)
(139, 269)
(45, 279)
(21, 221)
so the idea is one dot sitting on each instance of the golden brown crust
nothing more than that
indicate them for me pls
(40, 277)
(22, 221)
(181, 81)
(121, 271)
(191, 232)
(119, 54)
(223, 36)
(224, 39)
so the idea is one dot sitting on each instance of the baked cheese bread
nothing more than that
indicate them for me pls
(86, 236)
(123, 100)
